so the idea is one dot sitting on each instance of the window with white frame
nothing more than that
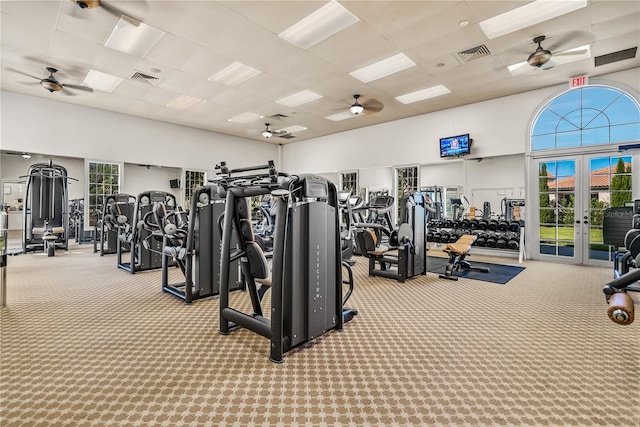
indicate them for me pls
(349, 182)
(103, 179)
(192, 180)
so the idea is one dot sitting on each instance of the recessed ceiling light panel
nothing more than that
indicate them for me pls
(528, 15)
(135, 40)
(321, 24)
(245, 118)
(299, 98)
(383, 68)
(185, 102)
(423, 94)
(341, 116)
(101, 81)
(234, 74)
(293, 128)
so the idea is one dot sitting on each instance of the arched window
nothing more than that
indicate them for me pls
(590, 115)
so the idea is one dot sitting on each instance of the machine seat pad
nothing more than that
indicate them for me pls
(380, 251)
(50, 237)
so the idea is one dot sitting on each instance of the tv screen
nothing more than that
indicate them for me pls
(455, 146)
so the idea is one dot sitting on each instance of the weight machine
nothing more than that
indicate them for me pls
(195, 248)
(306, 270)
(45, 214)
(146, 247)
(117, 211)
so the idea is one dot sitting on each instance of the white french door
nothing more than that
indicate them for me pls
(570, 195)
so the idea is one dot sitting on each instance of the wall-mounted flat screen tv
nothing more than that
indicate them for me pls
(455, 146)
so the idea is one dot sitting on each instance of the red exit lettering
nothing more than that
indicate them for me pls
(578, 81)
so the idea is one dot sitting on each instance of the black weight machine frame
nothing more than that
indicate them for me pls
(113, 207)
(200, 261)
(142, 258)
(306, 302)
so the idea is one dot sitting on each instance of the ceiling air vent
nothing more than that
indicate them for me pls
(278, 117)
(620, 55)
(474, 53)
(141, 77)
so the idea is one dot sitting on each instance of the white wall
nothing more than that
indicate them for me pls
(138, 179)
(47, 126)
(498, 127)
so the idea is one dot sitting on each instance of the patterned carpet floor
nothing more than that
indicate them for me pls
(85, 344)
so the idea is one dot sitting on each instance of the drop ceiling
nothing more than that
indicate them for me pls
(201, 38)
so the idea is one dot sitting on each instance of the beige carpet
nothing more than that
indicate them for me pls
(86, 344)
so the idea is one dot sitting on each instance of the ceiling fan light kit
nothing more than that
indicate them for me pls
(540, 56)
(356, 108)
(267, 132)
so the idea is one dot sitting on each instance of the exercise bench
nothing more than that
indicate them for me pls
(457, 253)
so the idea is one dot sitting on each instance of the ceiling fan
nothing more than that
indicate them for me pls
(93, 4)
(541, 57)
(52, 84)
(367, 106)
(23, 154)
(268, 133)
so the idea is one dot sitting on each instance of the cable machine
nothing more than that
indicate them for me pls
(45, 214)
(146, 248)
(306, 282)
(198, 253)
(117, 209)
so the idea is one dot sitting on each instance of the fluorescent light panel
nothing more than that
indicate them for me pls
(321, 24)
(383, 68)
(132, 39)
(101, 81)
(528, 15)
(299, 98)
(423, 94)
(234, 74)
(341, 116)
(185, 102)
(245, 118)
(293, 128)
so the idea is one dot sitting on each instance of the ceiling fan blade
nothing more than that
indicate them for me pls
(22, 73)
(372, 106)
(86, 89)
(67, 92)
(571, 52)
(548, 65)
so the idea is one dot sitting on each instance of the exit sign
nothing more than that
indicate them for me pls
(578, 81)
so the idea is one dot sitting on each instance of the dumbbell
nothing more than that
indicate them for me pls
(448, 224)
(483, 224)
(473, 224)
(465, 224)
(492, 239)
(444, 237)
(501, 242)
(513, 244)
(502, 225)
(514, 226)
(481, 240)
(437, 237)
(492, 225)
(430, 236)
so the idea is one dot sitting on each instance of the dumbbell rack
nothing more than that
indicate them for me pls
(495, 234)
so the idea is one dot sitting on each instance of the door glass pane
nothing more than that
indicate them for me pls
(610, 186)
(557, 208)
